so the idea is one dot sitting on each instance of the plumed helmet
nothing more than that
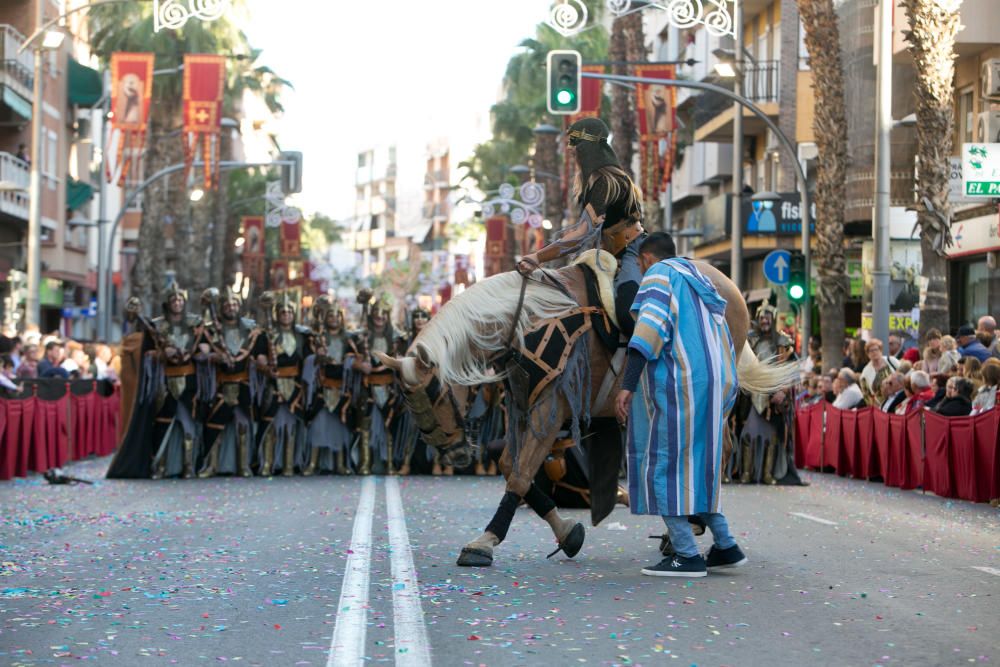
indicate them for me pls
(173, 290)
(285, 302)
(590, 138)
(383, 305)
(231, 296)
(766, 308)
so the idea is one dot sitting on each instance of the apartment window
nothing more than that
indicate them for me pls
(362, 160)
(966, 121)
(803, 51)
(51, 157)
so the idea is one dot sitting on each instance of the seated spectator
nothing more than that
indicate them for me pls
(911, 354)
(859, 358)
(848, 392)
(969, 345)
(958, 398)
(7, 375)
(28, 370)
(939, 384)
(878, 368)
(892, 389)
(49, 366)
(921, 389)
(949, 355)
(971, 369)
(102, 363)
(826, 388)
(986, 397)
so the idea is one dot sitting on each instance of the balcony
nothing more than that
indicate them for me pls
(16, 75)
(760, 86)
(703, 165)
(14, 180)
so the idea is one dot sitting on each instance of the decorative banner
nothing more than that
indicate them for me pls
(204, 77)
(590, 94)
(496, 245)
(253, 268)
(462, 270)
(291, 245)
(656, 108)
(253, 236)
(131, 92)
(279, 274)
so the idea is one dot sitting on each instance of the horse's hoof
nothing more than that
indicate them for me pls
(475, 557)
(572, 543)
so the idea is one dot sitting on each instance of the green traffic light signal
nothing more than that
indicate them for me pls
(564, 97)
(563, 69)
(796, 292)
(796, 277)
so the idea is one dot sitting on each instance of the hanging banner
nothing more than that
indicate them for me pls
(590, 95)
(291, 240)
(253, 236)
(253, 267)
(279, 274)
(462, 270)
(131, 93)
(655, 109)
(204, 77)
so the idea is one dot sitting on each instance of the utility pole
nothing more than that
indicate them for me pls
(736, 231)
(883, 126)
(32, 309)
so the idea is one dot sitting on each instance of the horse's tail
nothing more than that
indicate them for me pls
(764, 377)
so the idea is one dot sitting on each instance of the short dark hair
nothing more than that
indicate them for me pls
(51, 344)
(963, 387)
(660, 245)
(6, 361)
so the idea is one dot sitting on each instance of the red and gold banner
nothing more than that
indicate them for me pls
(590, 95)
(291, 240)
(253, 236)
(656, 107)
(496, 245)
(254, 268)
(279, 274)
(131, 94)
(462, 270)
(204, 79)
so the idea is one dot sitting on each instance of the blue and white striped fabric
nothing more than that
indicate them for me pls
(687, 390)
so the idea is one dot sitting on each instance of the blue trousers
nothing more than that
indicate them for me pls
(682, 537)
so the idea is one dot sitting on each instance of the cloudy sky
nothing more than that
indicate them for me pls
(369, 73)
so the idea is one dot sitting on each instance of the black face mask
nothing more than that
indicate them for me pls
(590, 138)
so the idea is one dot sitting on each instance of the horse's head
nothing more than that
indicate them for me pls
(438, 409)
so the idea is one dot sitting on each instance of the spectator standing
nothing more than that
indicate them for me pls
(859, 359)
(987, 326)
(957, 399)
(826, 387)
(949, 355)
(895, 345)
(879, 367)
(971, 370)
(969, 345)
(7, 374)
(986, 397)
(849, 395)
(49, 366)
(102, 363)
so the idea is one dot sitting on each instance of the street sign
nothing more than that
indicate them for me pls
(981, 170)
(776, 266)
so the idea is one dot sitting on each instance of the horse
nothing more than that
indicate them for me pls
(473, 333)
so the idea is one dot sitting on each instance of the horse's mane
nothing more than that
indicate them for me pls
(475, 325)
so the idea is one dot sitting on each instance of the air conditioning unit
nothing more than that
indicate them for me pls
(988, 127)
(990, 77)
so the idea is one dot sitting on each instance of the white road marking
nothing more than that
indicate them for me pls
(347, 646)
(810, 517)
(988, 570)
(412, 646)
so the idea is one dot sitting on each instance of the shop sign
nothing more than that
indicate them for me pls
(780, 218)
(906, 320)
(975, 236)
(981, 170)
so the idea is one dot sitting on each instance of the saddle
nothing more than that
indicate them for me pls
(601, 278)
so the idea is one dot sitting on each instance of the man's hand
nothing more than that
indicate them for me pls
(528, 264)
(623, 404)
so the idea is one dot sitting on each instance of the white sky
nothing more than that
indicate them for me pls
(448, 57)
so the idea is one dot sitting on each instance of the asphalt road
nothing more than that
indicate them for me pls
(327, 571)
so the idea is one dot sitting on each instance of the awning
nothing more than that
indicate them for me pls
(85, 85)
(757, 295)
(21, 106)
(78, 193)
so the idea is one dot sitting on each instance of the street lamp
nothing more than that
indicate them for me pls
(725, 70)
(196, 195)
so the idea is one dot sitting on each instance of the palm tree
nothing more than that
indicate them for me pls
(931, 37)
(819, 19)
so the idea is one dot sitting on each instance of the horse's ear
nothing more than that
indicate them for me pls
(391, 362)
(424, 361)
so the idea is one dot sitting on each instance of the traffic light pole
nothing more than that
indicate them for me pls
(806, 306)
(104, 309)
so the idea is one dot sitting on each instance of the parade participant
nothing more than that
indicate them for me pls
(329, 380)
(175, 339)
(765, 451)
(376, 405)
(670, 379)
(611, 214)
(232, 343)
(405, 434)
(283, 442)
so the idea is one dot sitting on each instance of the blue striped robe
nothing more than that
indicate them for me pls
(686, 392)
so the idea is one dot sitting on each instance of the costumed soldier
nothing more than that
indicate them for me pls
(405, 434)
(175, 338)
(283, 442)
(376, 406)
(329, 377)
(765, 450)
(233, 343)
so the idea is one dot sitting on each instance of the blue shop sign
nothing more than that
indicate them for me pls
(780, 218)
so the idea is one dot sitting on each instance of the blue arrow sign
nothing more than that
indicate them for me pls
(776, 266)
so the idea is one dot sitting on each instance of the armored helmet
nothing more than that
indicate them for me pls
(173, 290)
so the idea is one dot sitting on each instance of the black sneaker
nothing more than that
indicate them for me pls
(718, 559)
(678, 566)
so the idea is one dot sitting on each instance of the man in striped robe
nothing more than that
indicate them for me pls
(682, 367)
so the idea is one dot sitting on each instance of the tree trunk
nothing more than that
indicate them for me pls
(622, 112)
(931, 37)
(822, 36)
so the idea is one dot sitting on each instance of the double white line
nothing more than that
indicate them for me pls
(347, 647)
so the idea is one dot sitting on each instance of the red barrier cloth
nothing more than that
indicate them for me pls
(814, 442)
(17, 413)
(880, 440)
(912, 455)
(108, 409)
(84, 423)
(895, 473)
(803, 424)
(938, 441)
(866, 464)
(50, 437)
(986, 462)
(832, 444)
(849, 442)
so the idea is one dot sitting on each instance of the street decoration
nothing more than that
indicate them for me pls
(276, 210)
(568, 17)
(173, 14)
(204, 78)
(252, 259)
(715, 15)
(524, 207)
(656, 108)
(495, 254)
(291, 240)
(131, 92)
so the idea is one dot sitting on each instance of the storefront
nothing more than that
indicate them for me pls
(974, 269)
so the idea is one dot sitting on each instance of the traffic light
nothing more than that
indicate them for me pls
(797, 284)
(564, 82)
(291, 174)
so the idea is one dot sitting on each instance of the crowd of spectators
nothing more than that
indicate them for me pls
(953, 376)
(34, 356)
